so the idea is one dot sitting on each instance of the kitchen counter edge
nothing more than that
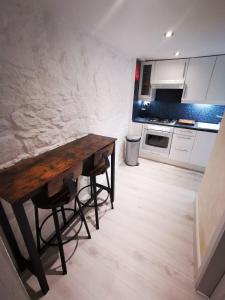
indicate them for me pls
(194, 127)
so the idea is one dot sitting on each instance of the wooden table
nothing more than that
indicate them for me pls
(23, 180)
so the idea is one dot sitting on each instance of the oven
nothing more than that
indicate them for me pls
(156, 139)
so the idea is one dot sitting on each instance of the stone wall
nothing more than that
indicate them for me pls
(56, 84)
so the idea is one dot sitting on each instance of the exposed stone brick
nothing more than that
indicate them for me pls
(57, 87)
(10, 148)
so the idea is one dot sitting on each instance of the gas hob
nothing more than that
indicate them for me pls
(161, 121)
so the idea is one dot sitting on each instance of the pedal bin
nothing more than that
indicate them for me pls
(132, 150)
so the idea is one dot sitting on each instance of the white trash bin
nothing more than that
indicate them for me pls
(132, 150)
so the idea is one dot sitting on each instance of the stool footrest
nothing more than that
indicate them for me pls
(88, 201)
(65, 227)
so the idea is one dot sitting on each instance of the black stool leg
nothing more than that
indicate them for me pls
(37, 228)
(83, 217)
(58, 234)
(75, 199)
(107, 178)
(95, 201)
(91, 184)
(63, 214)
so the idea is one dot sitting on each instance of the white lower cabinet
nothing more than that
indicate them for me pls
(192, 146)
(202, 148)
(182, 144)
(179, 154)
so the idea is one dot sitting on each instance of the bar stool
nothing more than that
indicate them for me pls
(93, 167)
(47, 199)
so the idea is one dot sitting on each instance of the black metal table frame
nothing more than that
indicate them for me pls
(34, 263)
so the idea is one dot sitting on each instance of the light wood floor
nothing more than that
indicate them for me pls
(144, 248)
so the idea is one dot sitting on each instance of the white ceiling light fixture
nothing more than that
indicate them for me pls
(169, 34)
(177, 53)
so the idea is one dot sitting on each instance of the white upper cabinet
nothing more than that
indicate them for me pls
(201, 78)
(197, 79)
(216, 91)
(169, 71)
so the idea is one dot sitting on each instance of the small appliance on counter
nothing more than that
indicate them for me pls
(186, 122)
(144, 109)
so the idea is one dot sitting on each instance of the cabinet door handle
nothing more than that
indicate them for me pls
(184, 91)
(185, 131)
(182, 150)
(184, 137)
(185, 64)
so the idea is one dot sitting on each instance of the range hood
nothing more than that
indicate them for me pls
(167, 84)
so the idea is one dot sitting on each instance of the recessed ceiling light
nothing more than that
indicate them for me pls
(177, 53)
(169, 34)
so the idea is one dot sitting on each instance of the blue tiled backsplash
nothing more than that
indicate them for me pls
(199, 112)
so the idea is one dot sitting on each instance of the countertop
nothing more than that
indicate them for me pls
(194, 127)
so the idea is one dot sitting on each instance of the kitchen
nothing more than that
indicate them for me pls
(187, 95)
(78, 80)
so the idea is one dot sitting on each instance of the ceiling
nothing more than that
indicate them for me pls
(137, 27)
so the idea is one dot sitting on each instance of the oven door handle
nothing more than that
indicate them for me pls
(158, 133)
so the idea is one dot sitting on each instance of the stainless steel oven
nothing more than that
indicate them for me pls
(156, 139)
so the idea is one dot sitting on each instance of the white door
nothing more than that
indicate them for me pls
(169, 70)
(197, 79)
(203, 145)
(216, 91)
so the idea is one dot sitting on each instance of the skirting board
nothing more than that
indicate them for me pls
(219, 293)
(199, 293)
(168, 161)
(197, 254)
(196, 249)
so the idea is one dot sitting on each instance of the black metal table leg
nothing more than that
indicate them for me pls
(113, 173)
(59, 239)
(10, 237)
(25, 229)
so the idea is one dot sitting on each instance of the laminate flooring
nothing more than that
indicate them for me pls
(144, 248)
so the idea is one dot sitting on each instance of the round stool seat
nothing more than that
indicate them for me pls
(61, 198)
(56, 204)
(99, 170)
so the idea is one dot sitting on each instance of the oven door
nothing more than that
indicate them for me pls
(157, 142)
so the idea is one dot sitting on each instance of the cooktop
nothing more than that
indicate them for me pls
(161, 121)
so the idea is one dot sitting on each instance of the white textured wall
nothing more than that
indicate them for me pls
(56, 84)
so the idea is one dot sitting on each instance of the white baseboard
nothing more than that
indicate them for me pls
(197, 250)
(168, 161)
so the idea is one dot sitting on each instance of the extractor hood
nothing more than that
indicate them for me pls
(167, 84)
